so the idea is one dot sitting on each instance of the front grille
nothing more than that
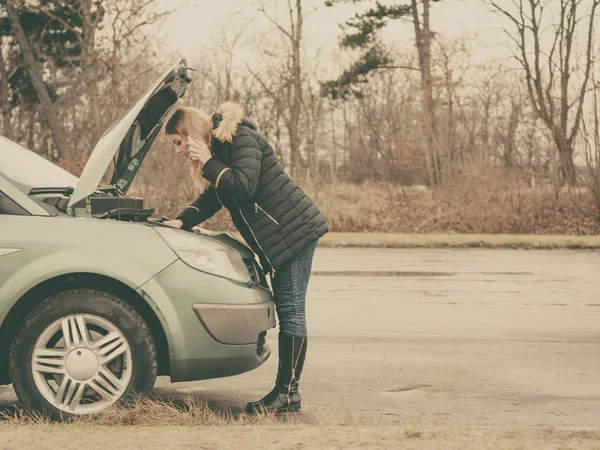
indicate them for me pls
(261, 345)
(252, 270)
(256, 273)
(261, 275)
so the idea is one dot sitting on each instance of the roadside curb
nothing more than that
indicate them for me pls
(399, 240)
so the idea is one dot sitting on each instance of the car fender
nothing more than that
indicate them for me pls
(71, 261)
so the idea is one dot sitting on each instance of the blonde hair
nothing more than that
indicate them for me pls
(187, 121)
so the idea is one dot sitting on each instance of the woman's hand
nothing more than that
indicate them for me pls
(173, 223)
(198, 151)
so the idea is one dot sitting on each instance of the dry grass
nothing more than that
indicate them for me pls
(19, 416)
(473, 208)
(150, 423)
(151, 411)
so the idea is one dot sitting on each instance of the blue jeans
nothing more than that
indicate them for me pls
(289, 288)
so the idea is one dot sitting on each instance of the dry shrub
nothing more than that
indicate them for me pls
(357, 207)
(488, 201)
(484, 201)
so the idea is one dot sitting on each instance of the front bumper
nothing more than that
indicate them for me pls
(215, 327)
(236, 324)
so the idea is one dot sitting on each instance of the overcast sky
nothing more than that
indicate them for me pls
(199, 22)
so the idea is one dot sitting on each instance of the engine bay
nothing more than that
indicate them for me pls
(106, 203)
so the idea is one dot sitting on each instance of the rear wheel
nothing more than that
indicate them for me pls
(80, 352)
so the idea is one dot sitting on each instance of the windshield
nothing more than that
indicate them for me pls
(26, 169)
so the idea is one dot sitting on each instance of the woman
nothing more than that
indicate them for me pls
(235, 167)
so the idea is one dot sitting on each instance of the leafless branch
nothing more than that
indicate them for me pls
(274, 22)
(63, 22)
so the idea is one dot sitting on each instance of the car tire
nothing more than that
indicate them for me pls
(76, 335)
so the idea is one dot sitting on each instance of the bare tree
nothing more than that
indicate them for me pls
(450, 63)
(294, 95)
(591, 135)
(423, 37)
(313, 106)
(4, 93)
(222, 75)
(49, 108)
(507, 136)
(125, 21)
(557, 87)
(90, 14)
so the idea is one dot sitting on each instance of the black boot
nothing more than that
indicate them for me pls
(285, 396)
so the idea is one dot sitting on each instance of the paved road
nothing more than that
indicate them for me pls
(474, 336)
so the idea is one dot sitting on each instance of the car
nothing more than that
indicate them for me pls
(98, 296)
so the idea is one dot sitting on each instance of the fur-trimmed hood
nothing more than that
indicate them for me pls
(226, 120)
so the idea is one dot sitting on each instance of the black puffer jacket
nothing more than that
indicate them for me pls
(272, 213)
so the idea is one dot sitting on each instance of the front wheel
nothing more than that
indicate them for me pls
(80, 352)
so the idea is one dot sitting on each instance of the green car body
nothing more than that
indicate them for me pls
(203, 323)
(134, 256)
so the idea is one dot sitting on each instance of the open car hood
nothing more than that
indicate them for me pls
(128, 140)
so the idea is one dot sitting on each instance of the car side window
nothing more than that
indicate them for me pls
(9, 207)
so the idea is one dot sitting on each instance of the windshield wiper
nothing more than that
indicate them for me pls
(51, 190)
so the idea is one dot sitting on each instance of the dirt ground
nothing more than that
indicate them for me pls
(295, 437)
(469, 348)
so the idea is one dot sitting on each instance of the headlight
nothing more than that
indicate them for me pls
(206, 255)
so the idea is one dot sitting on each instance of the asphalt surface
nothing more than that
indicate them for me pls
(424, 336)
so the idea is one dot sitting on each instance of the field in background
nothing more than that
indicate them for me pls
(482, 201)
